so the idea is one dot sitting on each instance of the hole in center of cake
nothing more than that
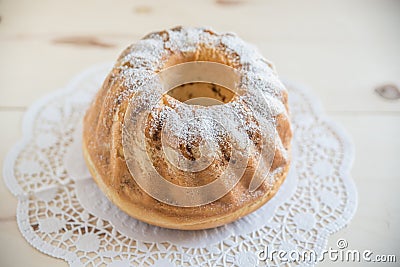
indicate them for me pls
(202, 94)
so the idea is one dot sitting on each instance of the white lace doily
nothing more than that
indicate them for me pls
(62, 213)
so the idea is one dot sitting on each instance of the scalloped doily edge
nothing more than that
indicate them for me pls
(28, 126)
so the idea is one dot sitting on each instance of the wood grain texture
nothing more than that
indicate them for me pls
(83, 41)
(342, 49)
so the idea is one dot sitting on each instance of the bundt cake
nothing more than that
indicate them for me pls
(190, 130)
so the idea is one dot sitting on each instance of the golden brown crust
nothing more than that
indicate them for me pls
(177, 222)
(102, 146)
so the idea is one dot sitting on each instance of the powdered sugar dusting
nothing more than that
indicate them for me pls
(247, 119)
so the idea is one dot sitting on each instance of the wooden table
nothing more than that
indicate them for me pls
(341, 49)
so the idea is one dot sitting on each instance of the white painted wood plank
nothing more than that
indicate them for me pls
(376, 172)
(342, 49)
